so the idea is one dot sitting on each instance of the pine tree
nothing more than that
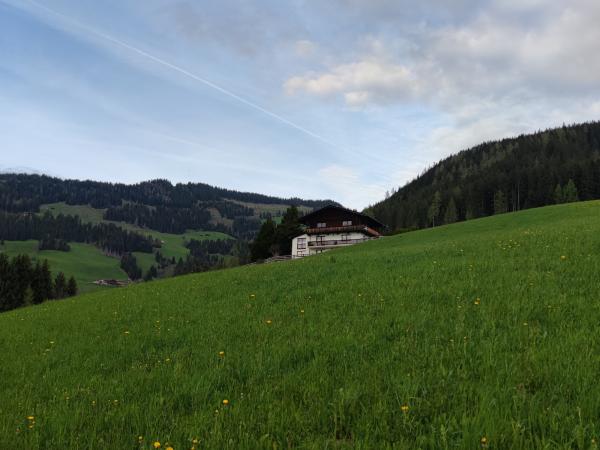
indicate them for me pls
(570, 192)
(287, 230)
(263, 244)
(434, 208)
(500, 205)
(72, 287)
(41, 282)
(559, 196)
(451, 214)
(60, 286)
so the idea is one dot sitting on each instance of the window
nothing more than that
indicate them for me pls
(345, 237)
(320, 239)
(321, 225)
(347, 223)
(301, 243)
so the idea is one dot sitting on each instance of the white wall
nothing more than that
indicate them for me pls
(311, 250)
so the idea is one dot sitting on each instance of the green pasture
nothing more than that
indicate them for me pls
(84, 262)
(482, 334)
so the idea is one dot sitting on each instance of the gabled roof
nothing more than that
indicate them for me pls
(370, 221)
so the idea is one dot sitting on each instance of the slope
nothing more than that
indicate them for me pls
(482, 333)
(528, 171)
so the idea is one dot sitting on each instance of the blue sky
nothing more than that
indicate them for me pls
(342, 99)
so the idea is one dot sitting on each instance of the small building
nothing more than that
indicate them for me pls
(333, 227)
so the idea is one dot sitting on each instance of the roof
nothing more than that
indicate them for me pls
(370, 221)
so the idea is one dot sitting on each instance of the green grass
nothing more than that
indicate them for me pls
(173, 245)
(84, 262)
(386, 324)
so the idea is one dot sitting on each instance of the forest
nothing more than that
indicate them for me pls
(21, 193)
(555, 166)
(50, 229)
(23, 283)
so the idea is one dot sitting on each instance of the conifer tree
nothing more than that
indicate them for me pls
(570, 193)
(434, 208)
(451, 214)
(60, 286)
(287, 230)
(500, 205)
(559, 197)
(72, 287)
(263, 244)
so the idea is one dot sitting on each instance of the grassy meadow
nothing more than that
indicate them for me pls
(482, 334)
(84, 262)
(173, 245)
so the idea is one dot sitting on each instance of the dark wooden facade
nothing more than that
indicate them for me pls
(337, 217)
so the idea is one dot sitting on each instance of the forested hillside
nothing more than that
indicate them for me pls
(157, 204)
(554, 166)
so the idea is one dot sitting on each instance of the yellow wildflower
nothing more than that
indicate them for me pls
(30, 418)
(563, 257)
(269, 322)
(156, 444)
(404, 408)
(484, 441)
(225, 402)
(222, 354)
(477, 301)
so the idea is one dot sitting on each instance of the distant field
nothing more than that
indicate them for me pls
(274, 209)
(173, 244)
(482, 334)
(85, 262)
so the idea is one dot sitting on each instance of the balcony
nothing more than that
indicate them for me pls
(346, 229)
(334, 243)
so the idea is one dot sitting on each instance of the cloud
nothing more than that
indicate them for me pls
(360, 83)
(491, 56)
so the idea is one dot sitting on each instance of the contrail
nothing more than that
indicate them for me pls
(182, 71)
(206, 82)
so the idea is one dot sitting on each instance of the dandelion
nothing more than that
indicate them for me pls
(404, 409)
(563, 258)
(169, 448)
(156, 444)
(222, 354)
(484, 441)
(301, 311)
(30, 418)
(477, 301)
(225, 402)
(269, 322)
(140, 438)
(126, 332)
(194, 441)
(252, 296)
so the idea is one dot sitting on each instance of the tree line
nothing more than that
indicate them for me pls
(21, 193)
(23, 283)
(48, 228)
(553, 166)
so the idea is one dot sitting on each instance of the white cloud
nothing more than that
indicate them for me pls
(359, 82)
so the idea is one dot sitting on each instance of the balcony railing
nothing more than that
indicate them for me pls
(347, 229)
(333, 243)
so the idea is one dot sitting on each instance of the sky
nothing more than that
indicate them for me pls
(339, 99)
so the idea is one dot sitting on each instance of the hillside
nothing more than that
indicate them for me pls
(529, 171)
(478, 334)
(157, 204)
